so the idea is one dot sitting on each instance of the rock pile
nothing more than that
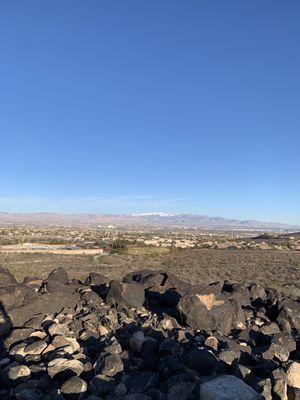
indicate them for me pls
(150, 336)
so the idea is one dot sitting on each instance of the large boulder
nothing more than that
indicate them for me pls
(48, 303)
(293, 375)
(239, 292)
(146, 277)
(227, 387)
(130, 295)
(154, 279)
(109, 365)
(59, 275)
(62, 368)
(99, 283)
(257, 294)
(209, 312)
(55, 286)
(58, 281)
(201, 360)
(289, 316)
(16, 294)
(96, 279)
(161, 288)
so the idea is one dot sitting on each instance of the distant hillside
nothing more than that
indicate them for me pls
(204, 221)
(146, 219)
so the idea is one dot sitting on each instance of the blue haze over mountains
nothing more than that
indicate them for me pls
(152, 219)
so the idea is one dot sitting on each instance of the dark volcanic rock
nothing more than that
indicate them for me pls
(42, 305)
(125, 294)
(91, 299)
(157, 280)
(239, 292)
(148, 337)
(147, 278)
(96, 279)
(102, 385)
(211, 313)
(62, 368)
(289, 316)
(18, 294)
(109, 365)
(59, 275)
(55, 286)
(201, 360)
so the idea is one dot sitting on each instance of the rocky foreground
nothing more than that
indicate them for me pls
(149, 336)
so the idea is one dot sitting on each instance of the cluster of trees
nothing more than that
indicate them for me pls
(117, 246)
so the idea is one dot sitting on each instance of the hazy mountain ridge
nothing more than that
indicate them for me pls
(159, 219)
(204, 221)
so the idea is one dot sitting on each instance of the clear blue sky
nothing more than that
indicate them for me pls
(130, 106)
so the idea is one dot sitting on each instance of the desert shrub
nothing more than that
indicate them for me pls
(4, 240)
(119, 246)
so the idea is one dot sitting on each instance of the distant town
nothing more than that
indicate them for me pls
(112, 239)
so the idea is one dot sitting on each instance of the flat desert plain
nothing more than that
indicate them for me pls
(277, 269)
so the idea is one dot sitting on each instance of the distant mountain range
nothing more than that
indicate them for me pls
(153, 219)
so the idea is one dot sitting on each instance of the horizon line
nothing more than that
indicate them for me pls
(144, 214)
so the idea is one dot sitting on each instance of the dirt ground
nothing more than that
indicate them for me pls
(273, 268)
